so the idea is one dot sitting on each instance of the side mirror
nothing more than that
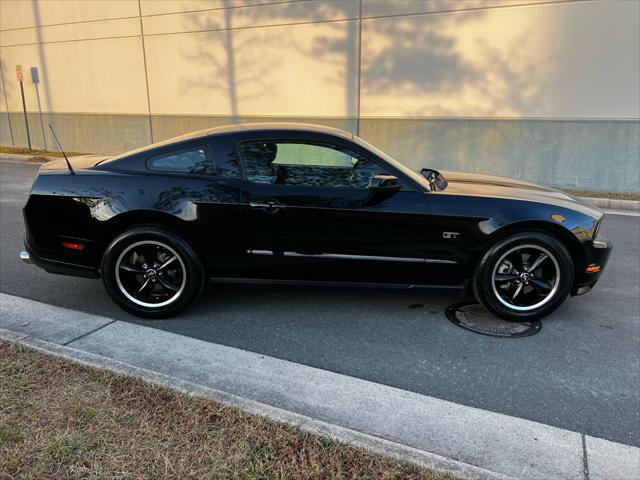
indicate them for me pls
(384, 183)
(436, 180)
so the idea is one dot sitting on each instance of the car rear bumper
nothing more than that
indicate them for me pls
(597, 254)
(29, 255)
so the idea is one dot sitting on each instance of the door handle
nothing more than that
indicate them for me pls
(269, 205)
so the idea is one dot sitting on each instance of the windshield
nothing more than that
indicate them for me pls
(415, 176)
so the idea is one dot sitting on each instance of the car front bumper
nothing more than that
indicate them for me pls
(597, 254)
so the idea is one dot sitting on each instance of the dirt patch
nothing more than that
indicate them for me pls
(36, 153)
(61, 420)
(38, 159)
(613, 195)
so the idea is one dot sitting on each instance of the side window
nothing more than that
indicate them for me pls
(190, 160)
(227, 163)
(307, 164)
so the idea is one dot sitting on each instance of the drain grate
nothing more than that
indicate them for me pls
(473, 317)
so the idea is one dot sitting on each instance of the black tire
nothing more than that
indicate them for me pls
(523, 298)
(125, 269)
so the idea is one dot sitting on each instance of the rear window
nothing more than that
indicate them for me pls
(188, 160)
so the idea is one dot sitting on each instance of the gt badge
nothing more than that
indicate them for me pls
(450, 235)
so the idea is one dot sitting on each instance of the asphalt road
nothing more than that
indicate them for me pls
(581, 372)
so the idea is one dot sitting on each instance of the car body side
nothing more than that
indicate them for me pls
(448, 229)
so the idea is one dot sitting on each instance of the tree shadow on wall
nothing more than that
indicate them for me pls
(6, 93)
(238, 66)
(408, 57)
(7, 86)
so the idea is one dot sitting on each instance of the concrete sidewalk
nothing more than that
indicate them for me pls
(468, 442)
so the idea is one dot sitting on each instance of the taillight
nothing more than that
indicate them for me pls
(73, 246)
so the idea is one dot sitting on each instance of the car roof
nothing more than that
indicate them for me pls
(277, 126)
(237, 128)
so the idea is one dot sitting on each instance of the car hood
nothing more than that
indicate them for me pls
(476, 184)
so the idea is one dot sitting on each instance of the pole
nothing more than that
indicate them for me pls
(44, 136)
(35, 78)
(26, 120)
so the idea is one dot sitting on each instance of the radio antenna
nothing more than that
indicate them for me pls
(64, 154)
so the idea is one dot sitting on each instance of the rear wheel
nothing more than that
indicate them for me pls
(524, 277)
(152, 272)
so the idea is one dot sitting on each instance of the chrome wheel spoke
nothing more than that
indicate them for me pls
(131, 268)
(540, 285)
(168, 262)
(167, 284)
(504, 278)
(517, 292)
(538, 262)
(144, 285)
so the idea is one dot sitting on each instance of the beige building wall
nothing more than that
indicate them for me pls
(538, 90)
(560, 60)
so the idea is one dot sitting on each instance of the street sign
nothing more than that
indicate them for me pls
(35, 78)
(20, 77)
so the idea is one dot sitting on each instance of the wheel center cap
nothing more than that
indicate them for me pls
(151, 273)
(524, 276)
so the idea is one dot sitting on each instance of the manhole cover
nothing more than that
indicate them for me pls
(472, 316)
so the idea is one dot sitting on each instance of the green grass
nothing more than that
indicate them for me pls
(61, 420)
(36, 153)
(10, 434)
(614, 195)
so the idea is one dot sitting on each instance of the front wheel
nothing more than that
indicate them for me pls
(524, 277)
(152, 272)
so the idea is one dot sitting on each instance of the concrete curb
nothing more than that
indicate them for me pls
(612, 203)
(438, 434)
(307, 424)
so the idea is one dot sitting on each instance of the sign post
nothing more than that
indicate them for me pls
(20, 76)
(35, 78)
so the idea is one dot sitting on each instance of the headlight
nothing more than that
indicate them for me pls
(597, 229)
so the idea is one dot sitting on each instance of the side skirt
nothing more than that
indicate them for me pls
(319, 283)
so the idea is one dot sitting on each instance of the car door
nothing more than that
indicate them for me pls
(309, 215)
(199, 182)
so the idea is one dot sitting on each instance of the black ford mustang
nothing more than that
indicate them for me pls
(302, 203)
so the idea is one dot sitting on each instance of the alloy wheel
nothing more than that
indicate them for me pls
(526, 277)
(150, 273)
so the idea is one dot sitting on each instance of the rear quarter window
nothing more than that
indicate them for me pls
(196, 160)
